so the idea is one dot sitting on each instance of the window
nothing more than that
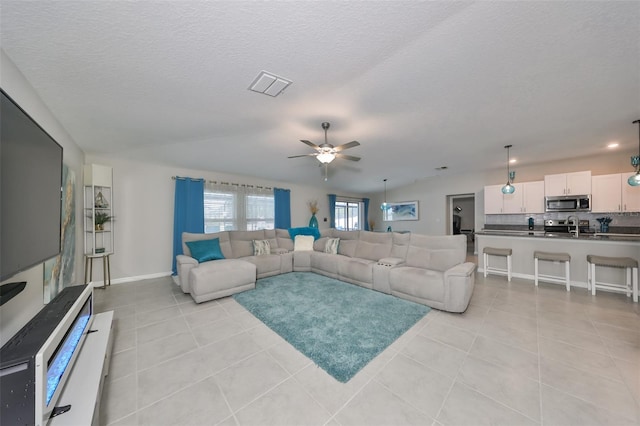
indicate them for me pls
(348, 215)
(237, 207)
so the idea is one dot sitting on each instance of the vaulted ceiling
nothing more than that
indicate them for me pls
(419, 84)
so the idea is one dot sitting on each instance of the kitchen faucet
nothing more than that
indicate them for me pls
(576, 222)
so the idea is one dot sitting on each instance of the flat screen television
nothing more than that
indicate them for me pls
(30, 191)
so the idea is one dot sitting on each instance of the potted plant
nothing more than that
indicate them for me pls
(100, 218)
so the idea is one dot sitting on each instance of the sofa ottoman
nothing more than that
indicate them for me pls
(221, 278)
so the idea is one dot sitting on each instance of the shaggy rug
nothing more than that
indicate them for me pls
(340, 326)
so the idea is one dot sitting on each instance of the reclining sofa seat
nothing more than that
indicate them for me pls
(425, 269)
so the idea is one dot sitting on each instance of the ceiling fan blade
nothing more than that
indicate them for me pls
(347, 146)
(348, 157)
(304, 155)
(311, 144)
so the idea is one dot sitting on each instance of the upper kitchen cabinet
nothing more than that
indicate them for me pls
(576, 183)
(527, 198)
(612, 193)
(533, 201)
(630, 194)
(493, 199)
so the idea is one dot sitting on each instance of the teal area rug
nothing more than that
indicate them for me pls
(340, 326)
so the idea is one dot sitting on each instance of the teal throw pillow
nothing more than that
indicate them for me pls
(205, 250)
(306, 230)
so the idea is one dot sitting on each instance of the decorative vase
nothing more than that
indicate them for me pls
(313, 222)
(604, 227)
(99, 227)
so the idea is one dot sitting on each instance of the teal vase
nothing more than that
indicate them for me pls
(313, 222)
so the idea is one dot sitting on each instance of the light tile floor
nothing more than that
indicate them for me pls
(518, 356)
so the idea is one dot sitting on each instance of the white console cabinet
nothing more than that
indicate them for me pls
(83, 389)
(576, 183)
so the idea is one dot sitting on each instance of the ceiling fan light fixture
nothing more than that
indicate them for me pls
(634, 180)
(325, 157)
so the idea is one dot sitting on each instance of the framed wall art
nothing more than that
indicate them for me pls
(406, 210)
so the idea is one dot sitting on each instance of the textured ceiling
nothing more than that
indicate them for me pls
(419, 84)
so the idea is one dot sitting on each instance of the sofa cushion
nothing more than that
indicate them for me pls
(331, 246)
(356, 269)
(421, 283)
(400, 244)
(307, 230)
(374, 245)
(320, 244)
(325, 262)
(205, 250)
(242, 242)
(222, 236)
(261, 247)
(284, 240)
(437, 253)
(303, 243)
(347, 247)
(270, 234)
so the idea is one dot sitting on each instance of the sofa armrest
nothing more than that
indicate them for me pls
(391, 261)
(184, 264)
(458, 286)
(278, 250)
(461, 270)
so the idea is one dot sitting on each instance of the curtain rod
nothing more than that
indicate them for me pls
(215, 182)
(344, 197)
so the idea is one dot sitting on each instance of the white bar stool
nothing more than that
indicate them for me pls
(492, 251)
(631, 265)
(553, 257)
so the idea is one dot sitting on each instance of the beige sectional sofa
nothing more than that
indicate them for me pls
(430, 270)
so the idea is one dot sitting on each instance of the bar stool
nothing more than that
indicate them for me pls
(492, 251)
(553, 257)
(629, 264)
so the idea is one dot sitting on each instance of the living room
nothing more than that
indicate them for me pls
(144, 191)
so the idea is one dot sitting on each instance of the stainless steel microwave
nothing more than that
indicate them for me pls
(568, 203)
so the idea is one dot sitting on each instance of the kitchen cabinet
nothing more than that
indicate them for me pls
(611, 193)
(576, 183)
(630, 195)
(527, 198)
(493, 199)
(533, 201)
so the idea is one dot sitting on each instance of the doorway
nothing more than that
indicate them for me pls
(462, 217)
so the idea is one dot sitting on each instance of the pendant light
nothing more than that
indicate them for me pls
(385, 206)
(509, 188)
(634, 180)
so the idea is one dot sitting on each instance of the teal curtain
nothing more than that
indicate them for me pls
(365, 201)
(332, 210)
(282, 206)
(188, 212)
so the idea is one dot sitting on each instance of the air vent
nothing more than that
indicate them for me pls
(269, 84)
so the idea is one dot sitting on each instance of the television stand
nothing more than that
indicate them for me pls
(84, 386)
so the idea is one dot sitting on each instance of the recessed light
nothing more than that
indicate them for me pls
(612, 145)
(513, 160)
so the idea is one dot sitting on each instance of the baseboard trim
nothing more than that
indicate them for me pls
(529, 277)
(136, 278)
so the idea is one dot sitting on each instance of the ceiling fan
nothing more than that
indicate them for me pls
(326, 153)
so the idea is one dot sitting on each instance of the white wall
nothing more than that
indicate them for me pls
(19, 310)
(143, 197)
(432, 193)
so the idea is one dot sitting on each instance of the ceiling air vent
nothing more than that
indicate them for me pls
(269, 84)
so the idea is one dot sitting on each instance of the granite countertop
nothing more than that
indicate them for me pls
(539, 233)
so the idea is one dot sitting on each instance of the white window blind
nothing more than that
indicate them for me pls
(237, 207)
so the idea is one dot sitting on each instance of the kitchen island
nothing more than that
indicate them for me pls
(524, 243)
